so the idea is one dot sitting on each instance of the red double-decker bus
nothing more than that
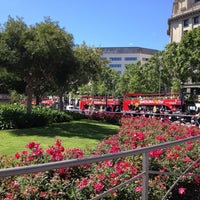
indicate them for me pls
(153, 102)
(100, 103)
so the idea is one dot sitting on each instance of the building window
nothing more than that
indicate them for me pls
(119, 72)
(115, 65)
(130, 58)
(115, 58)
(186, 22)
(145, 59)
(196, 20)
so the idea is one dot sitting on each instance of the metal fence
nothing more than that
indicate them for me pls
(76, 162)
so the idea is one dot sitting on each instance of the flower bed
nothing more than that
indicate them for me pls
(85, 182)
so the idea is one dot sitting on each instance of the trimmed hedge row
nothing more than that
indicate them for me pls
(15, 116)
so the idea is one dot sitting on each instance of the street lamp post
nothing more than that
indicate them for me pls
(182, 97)
(106, 95)
(159, 81)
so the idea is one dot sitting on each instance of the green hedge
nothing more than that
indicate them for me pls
(15, 116)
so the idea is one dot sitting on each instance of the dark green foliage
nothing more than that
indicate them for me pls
(15, 116)
(190, 191)
(76, 115)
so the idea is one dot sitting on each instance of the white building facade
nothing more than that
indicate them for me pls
(119, 57)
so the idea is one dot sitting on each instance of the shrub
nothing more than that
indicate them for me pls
(11, 115)
(15, 116)
(76, 115)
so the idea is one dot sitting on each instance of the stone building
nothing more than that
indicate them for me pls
(185, 17)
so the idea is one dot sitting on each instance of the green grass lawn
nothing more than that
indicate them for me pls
(80, 134)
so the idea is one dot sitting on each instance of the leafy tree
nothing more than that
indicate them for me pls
(189, 55)
(8, 81)
(173, 69)
(36, 53)
(182, 60)
(90, 69)
(108, 82)
(104, 85)
(153, 71)
(90, 63)
(165, 71)
(132, 80)
(9, 42)
(54, 54)
(83, 68)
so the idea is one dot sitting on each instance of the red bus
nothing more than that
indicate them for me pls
(100, 103)
(150, 102)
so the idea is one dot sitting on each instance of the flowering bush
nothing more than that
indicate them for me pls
(85, 182)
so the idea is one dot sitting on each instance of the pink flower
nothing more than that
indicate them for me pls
(10, 196)
(134, 171)
(113, 175)
(196, 165)
(138, 189)
(61, 171)
(58, 143)
(187, 159)
(172, 155)
(181, 190)
(134, 146)
(114, 149)
(137, 136)
(108, 163)
(98, 187)
(189, 146)
(141, 136)
(156, 153)
(39, 151)
(24, 153)
(101, 176)
(16, 186)
(161, 138)
(32, 145)
(43, 194)
(78, 153)
(74, 153)
(83, 183)
(30, 158)
(114, 182)
(177, 147)
(122, 166)
(17, 155)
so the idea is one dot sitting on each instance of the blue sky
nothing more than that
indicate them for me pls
(100, 23)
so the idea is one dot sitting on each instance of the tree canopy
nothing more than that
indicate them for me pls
(167, 69)
(44, 55)
(44, 58)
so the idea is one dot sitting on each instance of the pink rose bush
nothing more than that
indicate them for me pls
(87, 181)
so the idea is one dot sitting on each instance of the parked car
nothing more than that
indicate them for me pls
(72, 108)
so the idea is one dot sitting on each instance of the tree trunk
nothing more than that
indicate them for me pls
(61, 101)
(38, 100)
(29, 92)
